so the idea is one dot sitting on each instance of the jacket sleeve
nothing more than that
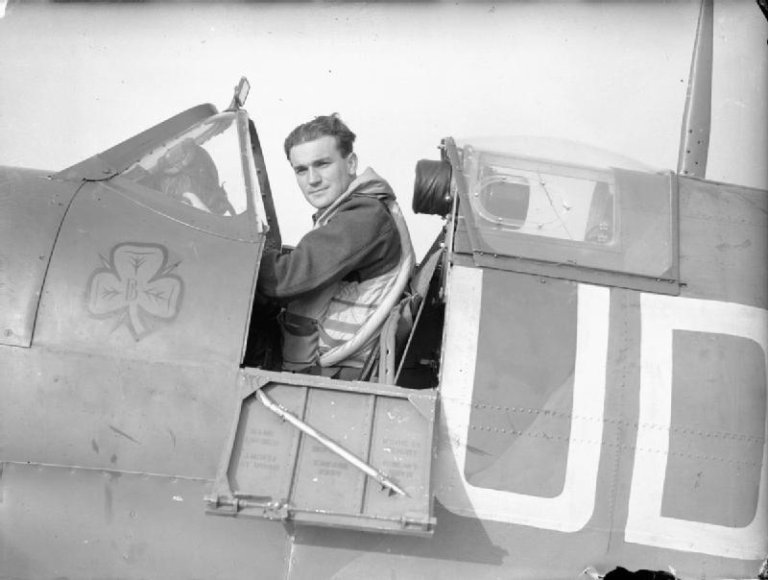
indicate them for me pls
(361, 238)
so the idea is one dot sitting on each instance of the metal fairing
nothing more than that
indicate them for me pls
(31, 209)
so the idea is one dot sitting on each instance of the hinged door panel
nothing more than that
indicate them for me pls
(327, 452)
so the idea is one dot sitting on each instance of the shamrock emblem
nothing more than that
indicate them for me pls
(135, 285)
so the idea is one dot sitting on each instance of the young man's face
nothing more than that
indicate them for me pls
(321, 172)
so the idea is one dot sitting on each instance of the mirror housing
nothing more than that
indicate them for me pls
(241, 94)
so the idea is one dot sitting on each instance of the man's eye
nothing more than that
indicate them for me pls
(300, 171)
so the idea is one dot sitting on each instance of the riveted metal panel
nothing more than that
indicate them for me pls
(524, 380)
(58, 522)
(31, 210)
(114, 412)
(724, 242)
(716, 447)
(497, 426)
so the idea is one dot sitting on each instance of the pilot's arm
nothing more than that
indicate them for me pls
(360, 242)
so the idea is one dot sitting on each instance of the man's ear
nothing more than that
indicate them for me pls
(352, 163)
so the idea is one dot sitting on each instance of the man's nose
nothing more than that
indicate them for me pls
(313, 176)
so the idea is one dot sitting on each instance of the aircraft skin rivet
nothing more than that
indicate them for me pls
(8, 332)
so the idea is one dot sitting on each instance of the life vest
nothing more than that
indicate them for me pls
(339, 326)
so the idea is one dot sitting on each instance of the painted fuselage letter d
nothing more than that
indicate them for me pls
(572, 508)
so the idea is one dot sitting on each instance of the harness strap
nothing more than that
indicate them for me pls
(377, 318)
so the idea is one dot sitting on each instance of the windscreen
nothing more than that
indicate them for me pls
(201, 168)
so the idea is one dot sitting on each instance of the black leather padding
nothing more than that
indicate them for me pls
(432, 188)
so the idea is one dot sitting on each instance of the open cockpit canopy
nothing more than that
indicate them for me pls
(559, 209)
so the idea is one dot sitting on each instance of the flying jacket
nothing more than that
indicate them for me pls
(352, 261)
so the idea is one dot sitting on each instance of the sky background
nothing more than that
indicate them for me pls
(76, 79)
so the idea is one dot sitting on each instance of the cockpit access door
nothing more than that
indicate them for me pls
(324, 452)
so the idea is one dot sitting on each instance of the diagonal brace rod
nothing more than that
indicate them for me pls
(324, 440)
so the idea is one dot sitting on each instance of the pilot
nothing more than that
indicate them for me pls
(344, 276)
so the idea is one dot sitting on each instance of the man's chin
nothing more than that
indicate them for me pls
(322, 201)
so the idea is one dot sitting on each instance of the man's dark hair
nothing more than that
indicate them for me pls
(322, 126)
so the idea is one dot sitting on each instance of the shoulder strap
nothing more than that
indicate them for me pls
(377, 318)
